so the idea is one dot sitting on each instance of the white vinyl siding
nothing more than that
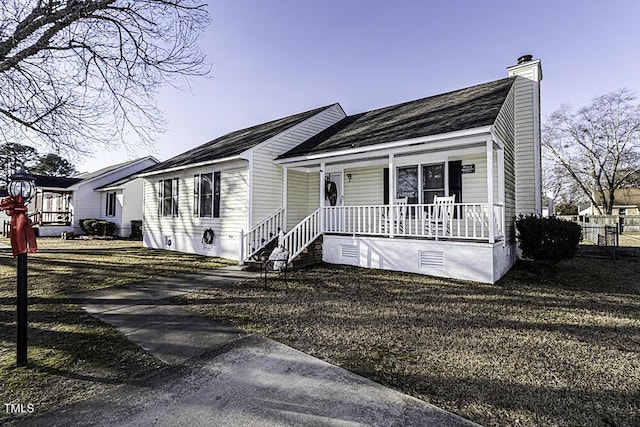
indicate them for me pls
(366, 186)
(186, 231)
(267, 176)
(297, 203)
(505, 130)
(313, 192)
(525, 148)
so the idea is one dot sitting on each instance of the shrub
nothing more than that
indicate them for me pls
(547, 239)
(97, 227)
(567, 209)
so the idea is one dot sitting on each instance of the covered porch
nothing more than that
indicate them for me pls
(51, 208)
(384, 209)
(441, 206)
(399, 192)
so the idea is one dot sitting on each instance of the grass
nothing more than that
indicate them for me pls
(72, 355)
(526, 351)
(560, 351)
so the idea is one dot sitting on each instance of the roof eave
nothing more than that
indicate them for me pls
(241, 156)
(482, 130)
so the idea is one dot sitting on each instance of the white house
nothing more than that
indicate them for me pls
(111, 193)
(366, 183)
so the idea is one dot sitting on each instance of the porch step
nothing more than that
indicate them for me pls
(254, 263)
(311, 255)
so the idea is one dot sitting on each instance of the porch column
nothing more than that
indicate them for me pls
(490, 196)
(392, 191)
(323, 167)
(285, 172)
(249, 224)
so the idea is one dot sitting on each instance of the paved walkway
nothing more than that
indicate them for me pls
(221, 376)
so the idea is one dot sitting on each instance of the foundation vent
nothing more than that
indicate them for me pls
(431, 259)
(350, 254)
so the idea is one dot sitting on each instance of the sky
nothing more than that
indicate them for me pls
(274, 58)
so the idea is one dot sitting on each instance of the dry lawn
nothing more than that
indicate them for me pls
(72, 355)
(563, 350)
(526, 351)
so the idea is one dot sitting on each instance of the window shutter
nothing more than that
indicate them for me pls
(385, 186)
(216, 194)
(455, 179)
(196, 195)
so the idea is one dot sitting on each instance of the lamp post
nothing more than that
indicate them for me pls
(21, 189)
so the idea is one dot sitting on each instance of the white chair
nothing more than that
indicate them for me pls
(399, 215)
(442, 215)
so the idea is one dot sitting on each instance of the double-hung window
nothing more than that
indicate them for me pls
(168, 197)
(111, 204)
(432, 182)
(206, 195)
(410, 185)
(407, 184)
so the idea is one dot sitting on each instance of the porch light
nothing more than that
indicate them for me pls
(22, 184)
(349, 176)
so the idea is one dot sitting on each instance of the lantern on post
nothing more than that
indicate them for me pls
(21, 189)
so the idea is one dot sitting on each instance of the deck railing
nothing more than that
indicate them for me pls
(259, 236)
(50, 217)
(459, 221)
(467, 221)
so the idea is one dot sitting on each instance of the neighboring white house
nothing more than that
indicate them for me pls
(110, 193)
(366, 183)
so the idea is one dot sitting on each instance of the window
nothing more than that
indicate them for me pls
(422, 189)
(168, 197)
(111, 204)
(407, 184)
(206, 195)
(432, 182)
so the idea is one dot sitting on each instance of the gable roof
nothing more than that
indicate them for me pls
(462, 109)
(45, 181)
(235, 143)
(85, 176)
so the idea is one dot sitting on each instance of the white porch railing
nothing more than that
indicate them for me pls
(303, 234)
(259, 236)
(469, 221)
(461, 221)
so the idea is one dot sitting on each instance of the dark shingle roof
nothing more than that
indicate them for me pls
(235, 142)
(55, 181)
(462, 109)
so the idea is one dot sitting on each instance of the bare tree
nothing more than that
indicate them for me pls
(598, 146)
(74, 73)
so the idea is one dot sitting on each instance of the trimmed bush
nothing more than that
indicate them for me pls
(547, 239)
(97, 227)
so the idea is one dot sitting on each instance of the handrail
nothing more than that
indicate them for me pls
(261, 234)
(302, 235)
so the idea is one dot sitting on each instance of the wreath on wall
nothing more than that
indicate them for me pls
(207, 236)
